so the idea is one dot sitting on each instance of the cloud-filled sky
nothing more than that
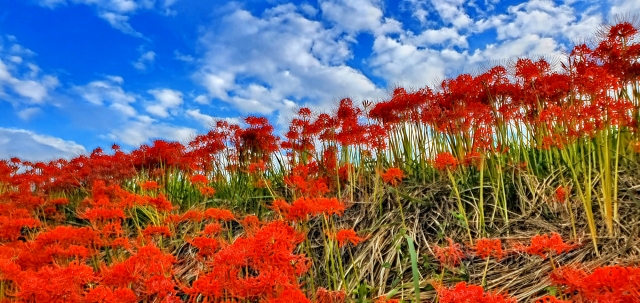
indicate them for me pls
(81, 74)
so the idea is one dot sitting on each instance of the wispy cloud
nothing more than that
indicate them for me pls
(28, 113)
(120, 22)
(182, 57)
(115, 12)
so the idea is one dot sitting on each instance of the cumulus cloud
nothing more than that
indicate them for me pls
(622, 7)
(546, 18)
(31, 146)
(166, 100)
(109, 93)
(452, 12)
(263, 64)
(21, 80)
(143, 129)
(534, 28)
(352, 16)
(145, 60)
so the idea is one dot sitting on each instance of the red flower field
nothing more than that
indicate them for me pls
(517, 184)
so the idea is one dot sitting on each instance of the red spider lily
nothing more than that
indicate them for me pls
(199, 179)
(392, 176)
(325, 296)
(304, 183)
(258, 267)
(385, 300)
(219, 214)
(449, 256)
(103, 294)
(207, 191)
(444, 161)
(486, 248)
(550, 299)
(561, 194)
(250, 223)
(160, 203)
(344, 235)
(542, 245)
(149, 185)
(281, 207)
(288, 296)
(257, 167)
(207, 247)
(212, 229)
(302, 208)
(603, 284)
(463, 293)
(256, 142)
(141, 272)
(193, 216)
(55, 284)
(150, 231)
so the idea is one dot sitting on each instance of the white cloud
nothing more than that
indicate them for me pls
(409, 66)
(182, 57)
(445, 36)
(308, 10)
(353, 16)
(144, 128)
(208, 121)
(109, 93)
(202, 99)
(120, 22)
(165, 100)
(117, 12)
(23, 77)
(31, 146)
(144, 60)
(622, 7)
(52, 3)
(534, 28)
(453, 12)
(527, 46)
(264, 64)
(545, 18)
(28, 113)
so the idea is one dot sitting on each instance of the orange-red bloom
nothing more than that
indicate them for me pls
(344, 235)
(486, 248)
(393, 176)
(445, 161)
(449, 256)
(542, 245)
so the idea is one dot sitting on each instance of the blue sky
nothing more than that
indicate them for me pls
(79, 74)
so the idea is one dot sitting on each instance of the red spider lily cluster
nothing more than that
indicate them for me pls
(544, 245)
(603, 284)
(464, 293)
